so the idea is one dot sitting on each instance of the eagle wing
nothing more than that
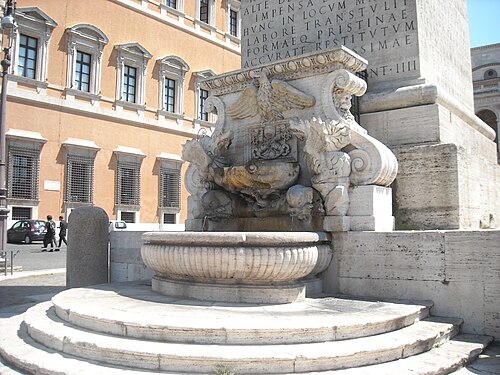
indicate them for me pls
(246, 105)
(285, 96)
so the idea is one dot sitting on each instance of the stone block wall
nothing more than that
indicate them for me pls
(125, 257)
(445, 187)
(458, 270)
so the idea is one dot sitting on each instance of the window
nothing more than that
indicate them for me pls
(27, 56)
(85, 46)
(79, 179)
(172, 3)
(31, 46)
(201, 96)
(21, 213)
(169, 189)
(128, 182)
(129, 83)
(172, 71)
(169, 218)
(205, 11)
(490, 73)
(128, 216)
(175, 7)
(233, 23)
(132, 60)
(23, 172)
(203, 115)
(23, 150)
(79, 172)
(82, 74)
(169, 102)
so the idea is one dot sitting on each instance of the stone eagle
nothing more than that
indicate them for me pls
(269, 99)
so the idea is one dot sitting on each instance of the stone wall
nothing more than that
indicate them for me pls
(458, 270)
(445, 187)
(125, 257)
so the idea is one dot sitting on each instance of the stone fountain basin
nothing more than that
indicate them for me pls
(245, 258)
(269, 175)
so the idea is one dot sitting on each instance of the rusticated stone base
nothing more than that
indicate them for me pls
(258, 294)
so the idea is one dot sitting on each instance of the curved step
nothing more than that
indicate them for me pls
(442, 359)
(21, 351)
(46, 328)
(23, 355)
(134, 310)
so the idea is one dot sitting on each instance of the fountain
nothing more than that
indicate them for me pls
(285, 164)
(241, 290)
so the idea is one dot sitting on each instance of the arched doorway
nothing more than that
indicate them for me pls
(491, 119)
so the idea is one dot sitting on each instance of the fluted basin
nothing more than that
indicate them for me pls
(264, 260)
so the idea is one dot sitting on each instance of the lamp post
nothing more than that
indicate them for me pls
(7, 23)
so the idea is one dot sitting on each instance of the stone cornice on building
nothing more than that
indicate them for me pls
(488, 46)
(180, 24)
(289, 69)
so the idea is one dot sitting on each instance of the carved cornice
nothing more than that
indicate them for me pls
(289, 69)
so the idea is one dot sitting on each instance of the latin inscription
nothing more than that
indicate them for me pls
(378, 30)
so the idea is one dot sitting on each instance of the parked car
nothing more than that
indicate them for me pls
(117, 225)
(27, 231)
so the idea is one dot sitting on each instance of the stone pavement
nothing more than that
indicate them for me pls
(25, 289)
(22, 290)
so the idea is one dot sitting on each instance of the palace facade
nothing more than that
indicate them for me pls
(102, 95)
(486, 80)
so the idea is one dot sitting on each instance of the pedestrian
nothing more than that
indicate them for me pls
(63, 226)
(50, 234)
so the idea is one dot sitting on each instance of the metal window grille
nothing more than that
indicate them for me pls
(82, 74)
(129, 83)
(204, 10)
(128, 216)
(79, 183)
(233, 22)
(203, 112)
(28, 48)
(21, 213)
(172, 3)
(23, 172)
(170, 95)
(170, 188)
(169, 219)
(128, 183)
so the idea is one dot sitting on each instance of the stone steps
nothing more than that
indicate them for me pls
(160, 318)
(59, 338)
(35, 359)
(46, 328)
(442, 359)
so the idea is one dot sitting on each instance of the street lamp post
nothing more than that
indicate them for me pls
(8, 24)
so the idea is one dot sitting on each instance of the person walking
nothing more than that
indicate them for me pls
(63, 226)
(50, 234)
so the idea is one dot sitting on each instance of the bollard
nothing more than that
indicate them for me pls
(87, 256)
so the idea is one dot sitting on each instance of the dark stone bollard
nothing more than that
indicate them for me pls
(87, 257)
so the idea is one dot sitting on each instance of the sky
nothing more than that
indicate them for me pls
(484, 22)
